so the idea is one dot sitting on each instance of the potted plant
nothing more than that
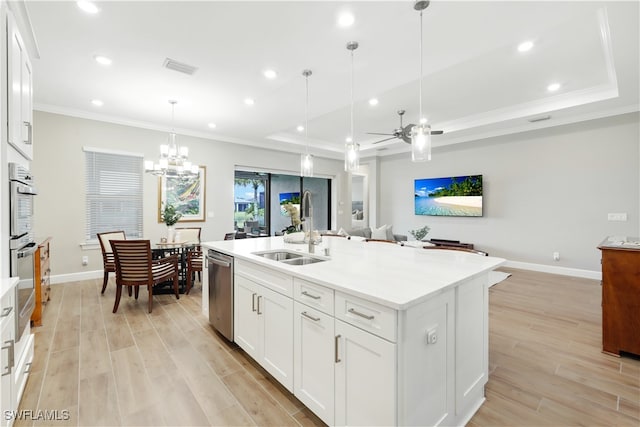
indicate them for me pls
(293, 234)
(170, 216)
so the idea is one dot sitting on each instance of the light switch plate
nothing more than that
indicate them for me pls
(617, 217)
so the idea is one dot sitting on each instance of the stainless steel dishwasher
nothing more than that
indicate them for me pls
(221, 292)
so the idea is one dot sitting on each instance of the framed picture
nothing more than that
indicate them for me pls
(187, 195)
(293, 198)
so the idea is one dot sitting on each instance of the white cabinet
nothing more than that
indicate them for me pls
(7, 332)
(314, 358)
(20, 92)
(365, 375)
(263, 322)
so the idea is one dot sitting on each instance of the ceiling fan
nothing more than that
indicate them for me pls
(403, 133)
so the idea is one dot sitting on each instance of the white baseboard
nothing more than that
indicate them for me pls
(565, 271)
(76, 277)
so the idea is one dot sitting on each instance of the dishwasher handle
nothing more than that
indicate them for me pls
(219, 261)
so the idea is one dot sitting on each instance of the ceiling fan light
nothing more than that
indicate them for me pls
(421, 143)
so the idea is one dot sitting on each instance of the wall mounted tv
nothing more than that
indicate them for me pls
(451, 196)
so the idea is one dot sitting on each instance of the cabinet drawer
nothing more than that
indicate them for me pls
(313, 295)
(22, 369)
(7, 305)
(275, 280)
(367, 315)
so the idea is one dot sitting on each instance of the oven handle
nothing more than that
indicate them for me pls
(27, 250)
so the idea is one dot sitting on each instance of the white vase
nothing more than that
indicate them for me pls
(171, 233)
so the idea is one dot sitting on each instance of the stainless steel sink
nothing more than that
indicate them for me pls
(279, 255)
(302, 261)
(287, 257)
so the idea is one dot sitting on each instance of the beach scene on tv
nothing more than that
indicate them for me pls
(451, 196)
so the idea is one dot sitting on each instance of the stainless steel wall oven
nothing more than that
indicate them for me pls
(21, 243)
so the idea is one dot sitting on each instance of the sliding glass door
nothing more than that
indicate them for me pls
(259, 198)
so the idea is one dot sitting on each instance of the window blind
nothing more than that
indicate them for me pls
(113, 193)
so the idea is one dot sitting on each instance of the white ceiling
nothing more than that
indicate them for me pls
(476, 83)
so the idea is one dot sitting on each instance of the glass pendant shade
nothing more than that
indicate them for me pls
(421, 143)
(306, 165)
(351, 157)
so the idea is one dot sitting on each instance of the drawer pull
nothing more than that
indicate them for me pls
(259, 297)
(336, 340)
(6, 311)
(307, 294)
(27, 367)
(253, 302)
(308, 316)
(357, 313)
(11, 360)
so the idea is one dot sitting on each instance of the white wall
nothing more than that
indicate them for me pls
(544, 191)
(58, 166)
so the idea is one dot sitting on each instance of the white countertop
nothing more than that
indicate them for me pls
(392, 275)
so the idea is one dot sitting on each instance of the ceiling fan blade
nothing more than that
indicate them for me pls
(383, 140)
(437, 132)
(374, 133)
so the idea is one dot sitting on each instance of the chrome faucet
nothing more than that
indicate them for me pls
(306, 206)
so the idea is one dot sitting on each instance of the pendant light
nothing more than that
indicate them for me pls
(352, 149)
(306, 160)
(421, 133)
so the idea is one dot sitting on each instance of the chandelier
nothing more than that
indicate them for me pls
(173, 161)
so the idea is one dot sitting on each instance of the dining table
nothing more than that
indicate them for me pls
(163, 249)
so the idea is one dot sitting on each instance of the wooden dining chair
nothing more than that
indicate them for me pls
(194, 265)
(108, 259)
(230, 236)
(457, 248)
(135, 267)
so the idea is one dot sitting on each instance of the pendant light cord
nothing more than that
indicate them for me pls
(420, 118)
(306, 113)
(352, 135)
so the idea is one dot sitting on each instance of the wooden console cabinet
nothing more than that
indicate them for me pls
(42, 282)
(620, 295)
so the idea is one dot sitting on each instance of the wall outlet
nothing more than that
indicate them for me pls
(617, 217)
(85, 260)
(556, 256)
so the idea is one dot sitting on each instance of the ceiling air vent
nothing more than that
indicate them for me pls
(539, 119)
(174, 65)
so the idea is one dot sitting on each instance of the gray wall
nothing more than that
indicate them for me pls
(544, 191)
(59, 169)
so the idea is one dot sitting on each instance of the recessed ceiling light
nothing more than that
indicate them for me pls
(249, 101)
(373, 101)
(346, 19)
(270, 74)
(212, 125)
(88, 6)
(102, 60)
(348, 139)
(553, 87)
(525, 46)
(300, 128)
(97, 102)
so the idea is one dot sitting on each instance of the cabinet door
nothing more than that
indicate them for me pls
(245, 318)
(6, 391)
(20, 104)
(313, 333)
(365, 389)
(276, 320)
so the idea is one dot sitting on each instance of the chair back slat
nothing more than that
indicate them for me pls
(133, 260)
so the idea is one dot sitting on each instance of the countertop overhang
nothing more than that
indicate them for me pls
(392, 275)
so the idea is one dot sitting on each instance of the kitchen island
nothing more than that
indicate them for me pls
(370, 334)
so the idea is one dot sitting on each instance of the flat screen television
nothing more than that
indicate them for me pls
(450, 196)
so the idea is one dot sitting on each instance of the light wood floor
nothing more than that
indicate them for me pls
(170, 368)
